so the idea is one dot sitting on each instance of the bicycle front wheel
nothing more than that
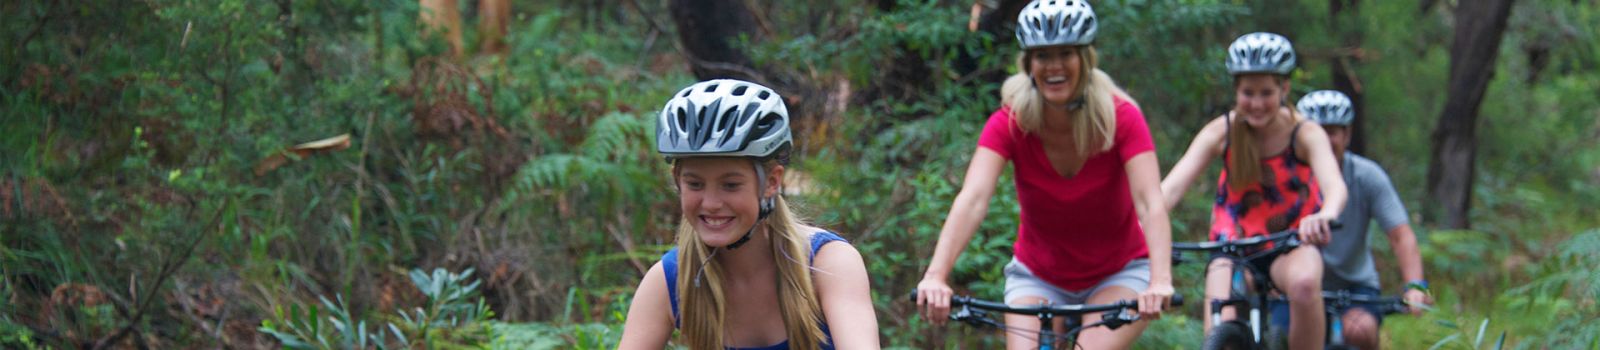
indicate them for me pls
(1231, 335)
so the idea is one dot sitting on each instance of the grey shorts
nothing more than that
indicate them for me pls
(1021, 283)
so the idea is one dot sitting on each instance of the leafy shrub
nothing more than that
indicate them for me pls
(453, 317)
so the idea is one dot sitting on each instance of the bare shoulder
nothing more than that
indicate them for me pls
(654, 282)
(1218, 125)
(1311, 131)
(836, 253)
(1311, 138)
(1214, 133)
(649, 323)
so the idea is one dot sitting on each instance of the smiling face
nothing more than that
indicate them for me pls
(718, 196)
(1257, 97)
(1055, 71)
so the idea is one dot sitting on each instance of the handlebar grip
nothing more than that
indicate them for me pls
(1177, 300)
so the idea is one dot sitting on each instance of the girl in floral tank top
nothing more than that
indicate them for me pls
(1287, 192)
(1263, 190)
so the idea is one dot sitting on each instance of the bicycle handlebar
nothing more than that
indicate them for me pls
(1244, 242)
(1345, 299)
(1386, 305)
(1059, 309)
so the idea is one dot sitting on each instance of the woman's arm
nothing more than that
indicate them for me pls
(846, 296)
(1325, 167)
(1144, 181)
(970, 206)
(649, 322)
(1206, 146)
(1315, 144)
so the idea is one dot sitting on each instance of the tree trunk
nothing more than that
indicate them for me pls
(444, 18)
(493, 16)
(707, 29)
(1480, 25)
(1344, 75)
(1001, 24)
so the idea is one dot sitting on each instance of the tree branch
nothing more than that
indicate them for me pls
(167, 270)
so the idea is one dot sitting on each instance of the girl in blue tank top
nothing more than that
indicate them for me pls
(746, 273)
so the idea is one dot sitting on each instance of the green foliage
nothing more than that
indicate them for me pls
(12, 334)
(452, 318)
(1458, 340)
(1574, 322)
(308, 330)
(134, 130)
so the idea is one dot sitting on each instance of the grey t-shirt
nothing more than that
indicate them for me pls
(1348, 257)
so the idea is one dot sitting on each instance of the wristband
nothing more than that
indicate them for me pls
(1421, 285)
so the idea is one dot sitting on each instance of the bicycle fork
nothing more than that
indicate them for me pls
(1235, 298)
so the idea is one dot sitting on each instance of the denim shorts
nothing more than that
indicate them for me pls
(1021, 283)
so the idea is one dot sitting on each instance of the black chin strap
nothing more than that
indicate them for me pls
(741, 241)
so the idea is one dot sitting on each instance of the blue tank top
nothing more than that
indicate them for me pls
(669, 264)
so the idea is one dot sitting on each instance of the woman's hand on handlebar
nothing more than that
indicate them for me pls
(1154, 300)
(933, 300)
(1314, 228)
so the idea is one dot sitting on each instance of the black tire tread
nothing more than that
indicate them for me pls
(1231, 335)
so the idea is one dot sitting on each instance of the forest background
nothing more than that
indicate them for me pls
(485, 176)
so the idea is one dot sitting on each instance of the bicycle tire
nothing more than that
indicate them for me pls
(1231, 335)
(1277, 339)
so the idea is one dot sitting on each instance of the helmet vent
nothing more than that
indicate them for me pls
(726, 122)
(763, 95)
(682, 118)
(739, 91)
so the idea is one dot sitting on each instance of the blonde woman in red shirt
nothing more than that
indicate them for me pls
(1093, 226)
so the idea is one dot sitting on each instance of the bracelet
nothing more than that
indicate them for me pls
(1421, 285)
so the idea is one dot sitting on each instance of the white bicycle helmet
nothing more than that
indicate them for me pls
(1056, 22)
(727, 118)
(1327, 107)
(723, 117)
(1261, 53)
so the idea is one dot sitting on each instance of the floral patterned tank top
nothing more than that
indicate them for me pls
(1287, 192)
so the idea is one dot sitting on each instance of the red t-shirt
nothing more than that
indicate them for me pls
(1074, 232)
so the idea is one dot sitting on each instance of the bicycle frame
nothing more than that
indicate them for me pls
(1247, 299)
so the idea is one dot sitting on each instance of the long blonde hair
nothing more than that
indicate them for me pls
(702, 303)
(1243, 157)
(1093, 127)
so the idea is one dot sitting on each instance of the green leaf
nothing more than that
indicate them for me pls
(1483, 327)
(1446, 340)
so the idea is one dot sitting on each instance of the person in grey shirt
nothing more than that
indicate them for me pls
(1347, 258)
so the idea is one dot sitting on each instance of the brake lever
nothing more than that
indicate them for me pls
(969, 316)
(1113, 321)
